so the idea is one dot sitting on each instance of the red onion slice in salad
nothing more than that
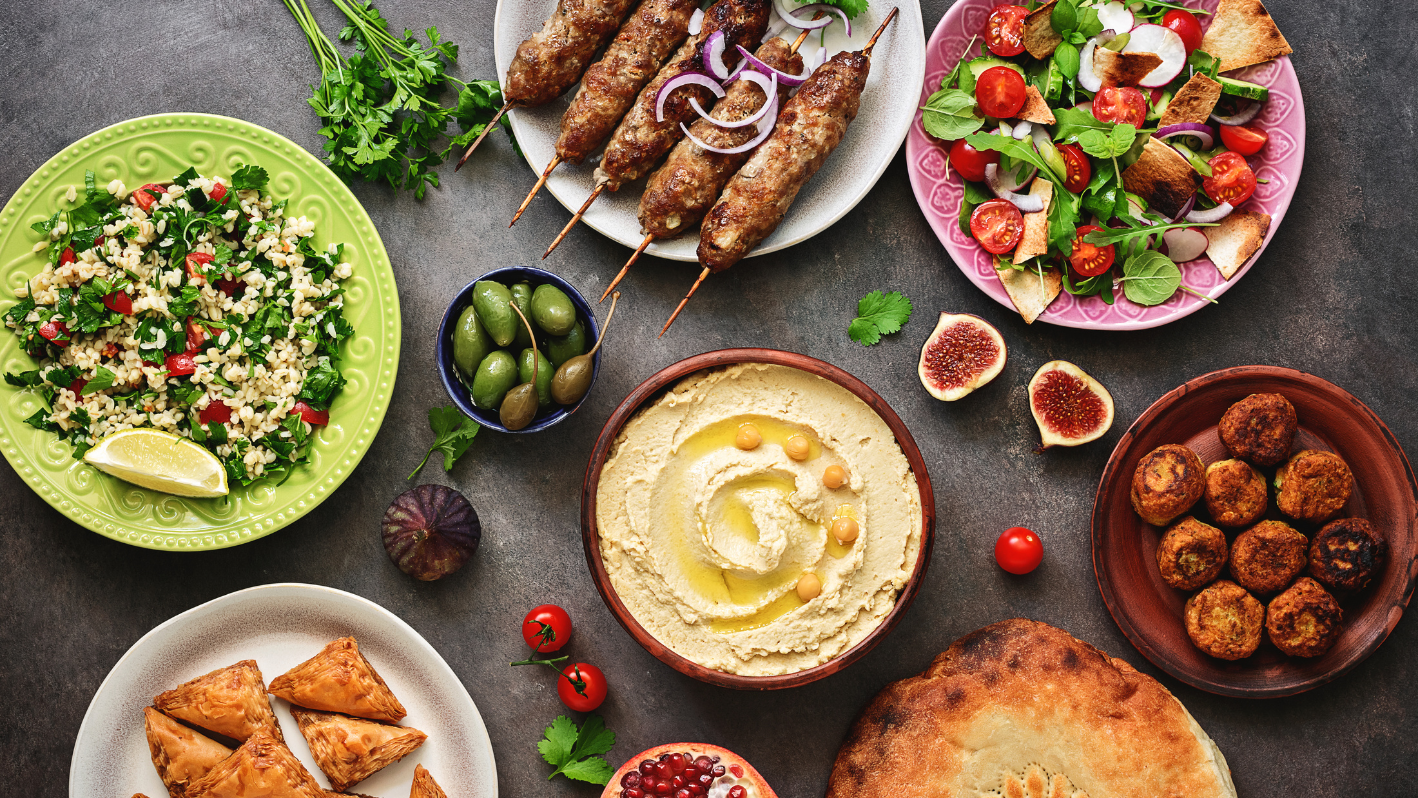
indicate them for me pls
(696, 22)
(1185, 244)
(1026, 203)
(1214, 215)
(784, 78)
(1186, 208)
(770, 88)
(1242, 116)
(1200, 131)
(765, 126)
(1006, 182)
(678, 81)
(714, 55)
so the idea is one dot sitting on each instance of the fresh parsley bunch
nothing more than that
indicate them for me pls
(576, 753)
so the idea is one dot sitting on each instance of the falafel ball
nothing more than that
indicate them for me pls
(1304, 620)
(1314, 486)
(1260, 428)
(1191, 554)
(1167, 482)
(1236, 494)
(1225, 621)
(1266, 557)
(1346, 554)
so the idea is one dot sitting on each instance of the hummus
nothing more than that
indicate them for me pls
(705, 542)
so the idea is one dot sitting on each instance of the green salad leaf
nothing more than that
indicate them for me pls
(249, 176)
(1108, 145)
(951, 114)
(1150, 278)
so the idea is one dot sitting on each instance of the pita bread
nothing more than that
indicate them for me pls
(1021, 708)
(350, 750)
(1162, 177)
(1232, 242)
(1030, 295)
(1039, 36)
(1123, 69)
(1194, 102)
(1242, 33)
(1035, 109)
(180, 754)
(1036, 225)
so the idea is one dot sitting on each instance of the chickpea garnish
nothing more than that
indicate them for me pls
(845, 529)
(797, 447)
(809, 586)
(834, 476)
(748, 438)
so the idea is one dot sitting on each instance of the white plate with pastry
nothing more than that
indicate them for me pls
(207, 671)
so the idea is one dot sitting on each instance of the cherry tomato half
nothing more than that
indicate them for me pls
(1004, 31)
(143, 199)
(310, 415)
(1078, 168)
(1018, 550)
(180, 365)
(196, 336)
(118, 302)
(1231, 179)
(546, 628)
(1243, 139)
(1123, 105)
(195, 261)
(55, 332)
(1087, 259)
(592, 689)
(970, 162)
(218, 192)
(217, 412)
(1184, 24)
(997, 225)
(1000, 92)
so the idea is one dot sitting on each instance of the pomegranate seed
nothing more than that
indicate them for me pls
(695, 789)
(633, 793)
(663, 788)
(717, 771)
(703, 763)
(737, 792)
(714, 759)
(682, 794)
(705, 779)
(691, 773)
(647, 767)
(737, 771)
(678, 781)
(676, 762)
(664, 771)
(631, 779)
(647, 783)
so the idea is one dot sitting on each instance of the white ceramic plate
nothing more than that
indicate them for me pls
(280, 626)
(888, 108)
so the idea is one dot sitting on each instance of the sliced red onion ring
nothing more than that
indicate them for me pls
(1241, 117)
(791, 16)
(765, 126)
(770, 88)
(714, 55)
(678, 81)
(1021, 130)
(1202, 132)
(1007, 182)
(783, 77)
(1185, 243)
(1186, 208)
(1026, 203)
(696, 22)
(1214, 215)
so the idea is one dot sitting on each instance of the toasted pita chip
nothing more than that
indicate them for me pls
(1030, 295)
(1194, 102)
(1162, 177)
(1036, 225)
(1035, 109)
(1242, 33)
(1232, 242)
(1039, 36)
(1123, 69)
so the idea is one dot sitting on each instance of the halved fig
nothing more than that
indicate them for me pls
(687, 769)
(963, 353)
(1069, 406)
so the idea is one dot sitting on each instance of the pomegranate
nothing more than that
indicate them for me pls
(1069, 406)
(687, 770)
(963, 353)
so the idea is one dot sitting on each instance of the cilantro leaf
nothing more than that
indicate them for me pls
(557, 742)
(594, 739)
(879, 314)
(453, 434)
(249, 176)
(595, 770)
(575, 753)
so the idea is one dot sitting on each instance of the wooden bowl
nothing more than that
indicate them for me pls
(646, 394)
(1149, 612)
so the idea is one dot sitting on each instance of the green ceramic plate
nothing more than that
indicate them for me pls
(156, 148)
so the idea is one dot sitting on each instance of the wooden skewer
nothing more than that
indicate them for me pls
(541, 181)
(585, 206)
(479, 140)
(872, 41)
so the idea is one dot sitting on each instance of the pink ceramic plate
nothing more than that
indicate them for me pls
(939, 190)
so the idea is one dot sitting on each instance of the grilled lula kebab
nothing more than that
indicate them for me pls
(652, 126)
(551, 60)
(655, 29)
(809, 128)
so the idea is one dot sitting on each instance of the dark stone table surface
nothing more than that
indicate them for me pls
(1333, 295)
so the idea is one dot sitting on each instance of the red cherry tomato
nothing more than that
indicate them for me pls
(196, 336)
(1231, 179)
(1000, 92)
(1004, 31)
(1087, 259)
(997, 225)
(970, 162)
(546, 628)
(216, 412)
(218, 192)
(593, 687)
(67, 256)
(1079, 169)
(1242, 139)
(143, 199)
(310, 415)
(180, 365)
(118, 302)
(1123, 105)
(1184, 24)
(55, 332)
(195, 262)
(1018, 550)
(230, 287)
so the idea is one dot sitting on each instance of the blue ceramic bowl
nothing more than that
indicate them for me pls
(443, 352)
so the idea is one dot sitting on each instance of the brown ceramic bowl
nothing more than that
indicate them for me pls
(649, 391)
(1124, 547)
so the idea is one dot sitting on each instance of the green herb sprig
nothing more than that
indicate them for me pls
(576, 753)
(879, 314)
(453, 434)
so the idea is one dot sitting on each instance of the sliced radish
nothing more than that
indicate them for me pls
(1166, 44)
(1214, 215)
(1184, 244)
(1086, 78)
(1116, 16)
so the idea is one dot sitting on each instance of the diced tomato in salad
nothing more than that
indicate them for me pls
(196, 336)
(218, 192)
(310, 415)
(217, 412)
(195, 261)
(55, 332)
(143, 199)
(119, 302)
(181, 365)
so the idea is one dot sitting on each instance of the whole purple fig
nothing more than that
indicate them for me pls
(431, 531)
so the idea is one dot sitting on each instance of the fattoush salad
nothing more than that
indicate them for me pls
(1101, 144)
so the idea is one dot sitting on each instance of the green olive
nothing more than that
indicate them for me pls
(544, 374)
(494, 306)
(522, 298)
(552, 310)
(572, 380)
(470, 342)
(561, 348)
(519, 407)
(495, 376)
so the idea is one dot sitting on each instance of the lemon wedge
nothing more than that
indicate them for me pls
(160, 461)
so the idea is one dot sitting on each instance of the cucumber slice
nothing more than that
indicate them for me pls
(1243, 89)
(979, 65)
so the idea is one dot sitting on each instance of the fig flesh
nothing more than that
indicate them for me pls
(963, 353)
(431, 531)
(666, 770)
(1070, 407)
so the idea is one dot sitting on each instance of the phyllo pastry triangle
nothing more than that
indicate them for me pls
(261, 768)
(339, 679)
(180, 754)
(230, 701)
(350, 749)
(424, 785)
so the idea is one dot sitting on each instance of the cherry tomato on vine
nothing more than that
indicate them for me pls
(1018, 550)
(1078, 168)
(1243, 139)
(1123, 105)
(1184, 24)
(1004, 31)
(1089, 260)
(1000, 92)
(970, 162)
(582, 687)
(1231, 179)
(997, 225)
(546, 628)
